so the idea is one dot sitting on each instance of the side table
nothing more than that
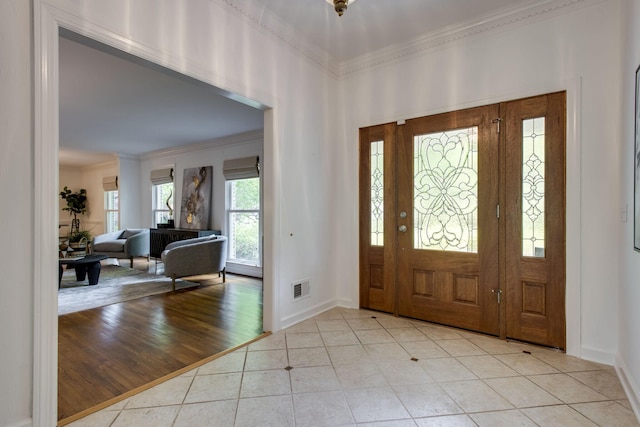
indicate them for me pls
(88, 265)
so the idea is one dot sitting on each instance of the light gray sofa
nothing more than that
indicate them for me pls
(192, 257)
(124, 244)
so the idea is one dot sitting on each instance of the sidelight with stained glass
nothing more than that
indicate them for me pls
(533, 187)
(377, 193)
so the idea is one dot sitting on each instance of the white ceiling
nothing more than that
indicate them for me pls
(113, 103)
(368, 25)
(110, 104)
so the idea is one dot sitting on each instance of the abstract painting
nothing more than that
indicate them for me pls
(195, 209)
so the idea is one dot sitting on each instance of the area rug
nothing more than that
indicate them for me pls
(116, 284)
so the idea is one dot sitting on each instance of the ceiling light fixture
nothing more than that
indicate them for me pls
(340, 5)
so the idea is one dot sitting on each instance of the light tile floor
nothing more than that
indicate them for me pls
(357, 367)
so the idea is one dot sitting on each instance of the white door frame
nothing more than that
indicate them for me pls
(46, 23)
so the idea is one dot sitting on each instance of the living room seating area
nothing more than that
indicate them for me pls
(124, 244)
(192, 257)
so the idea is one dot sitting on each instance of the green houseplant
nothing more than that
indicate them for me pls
(76, 205)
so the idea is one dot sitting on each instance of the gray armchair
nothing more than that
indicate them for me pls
(128, 243)
(192, 257)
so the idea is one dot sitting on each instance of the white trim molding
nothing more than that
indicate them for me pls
(267, 22)
(308, 313)
(46, 217)
(517, 15)
(631, 389)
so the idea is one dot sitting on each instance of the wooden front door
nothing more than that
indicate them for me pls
(448, 187)
(462, 219)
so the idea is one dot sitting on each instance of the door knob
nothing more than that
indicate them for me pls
(402, 228)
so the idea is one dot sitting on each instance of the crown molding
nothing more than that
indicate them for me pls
(515, 15)
(496, 21)
(242, 138)
(286, 33)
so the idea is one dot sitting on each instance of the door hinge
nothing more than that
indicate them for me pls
(497, 122)
(498, 211)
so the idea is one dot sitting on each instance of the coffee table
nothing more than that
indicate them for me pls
(88, 265)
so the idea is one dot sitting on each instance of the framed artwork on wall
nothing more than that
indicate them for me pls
(636, 168)
(195, 209)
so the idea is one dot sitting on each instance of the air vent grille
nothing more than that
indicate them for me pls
(301, 290)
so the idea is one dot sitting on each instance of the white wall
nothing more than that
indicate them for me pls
(129, 194)
(16, 189)
(573, 51)
(628, 361)
(311, 160)
(212, 154)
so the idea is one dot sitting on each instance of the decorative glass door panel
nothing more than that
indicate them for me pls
(446, 264)
(533, 187)
(377, 193)
(446, 190)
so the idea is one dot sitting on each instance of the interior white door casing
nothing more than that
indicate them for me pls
(16, 184)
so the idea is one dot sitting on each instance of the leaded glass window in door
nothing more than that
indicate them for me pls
(377, 193)
(446, 190)
(533, 187)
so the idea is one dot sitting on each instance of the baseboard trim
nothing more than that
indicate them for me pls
(244, 270)
(347, 303)
(598, 356)
(631, 389)
(294, 319)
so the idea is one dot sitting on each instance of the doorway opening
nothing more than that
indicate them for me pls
(250, 110)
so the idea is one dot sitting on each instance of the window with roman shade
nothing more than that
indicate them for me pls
(162, 176)
(162, 195)
(111, 206)
(110, 183)
(246, 167)
(244, 227)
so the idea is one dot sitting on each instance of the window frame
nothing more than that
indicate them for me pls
(108, 211)
(229, 214)
(154, 202)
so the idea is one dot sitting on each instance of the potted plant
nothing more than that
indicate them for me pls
(76, 205)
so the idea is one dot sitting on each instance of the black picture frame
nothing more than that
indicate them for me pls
(636, 167)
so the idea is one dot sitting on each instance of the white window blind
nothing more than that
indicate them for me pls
(110, 183)
(247, 167)
(161, 176)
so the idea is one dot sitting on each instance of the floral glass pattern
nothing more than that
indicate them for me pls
(446, 190)
(377, 193)
(533, 187)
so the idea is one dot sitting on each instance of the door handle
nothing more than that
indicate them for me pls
(497, 291)
(402, 228)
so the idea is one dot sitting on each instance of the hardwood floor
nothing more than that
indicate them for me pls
(108, 351)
